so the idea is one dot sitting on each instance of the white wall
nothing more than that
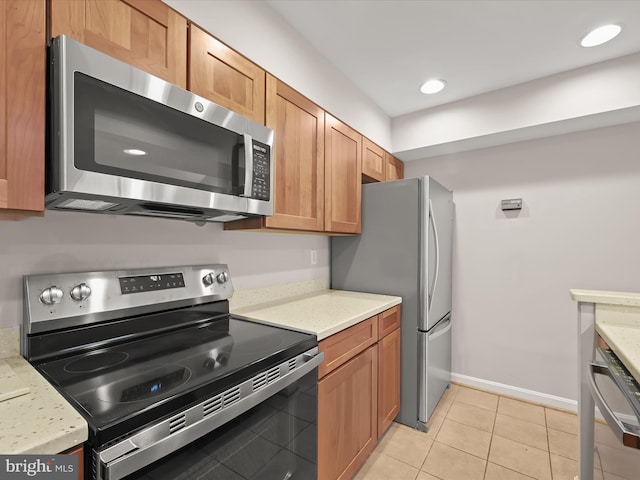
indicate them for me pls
(514, 322)
(67, 242)
(254, 29)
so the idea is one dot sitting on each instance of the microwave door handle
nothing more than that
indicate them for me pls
(248, 165)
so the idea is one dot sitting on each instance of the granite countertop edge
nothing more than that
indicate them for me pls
(629, 299)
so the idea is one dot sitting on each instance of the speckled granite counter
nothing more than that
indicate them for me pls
(40, 421)
(323, 312)
(618, 323)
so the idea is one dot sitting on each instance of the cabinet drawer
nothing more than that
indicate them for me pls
(388, 321)
(343, 346)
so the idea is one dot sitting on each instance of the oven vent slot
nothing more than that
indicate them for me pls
(177, 423)
(230, 396)
(273, 375)
(259, 381)
(212, 405)
(266, 378)
(292, 363)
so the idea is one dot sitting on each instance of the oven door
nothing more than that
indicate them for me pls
(617, 442)
(264, 428)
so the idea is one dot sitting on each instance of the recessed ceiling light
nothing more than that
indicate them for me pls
(134, 151)
(600, 35)
(432, 86)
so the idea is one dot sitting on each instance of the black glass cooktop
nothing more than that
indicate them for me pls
(125, 386)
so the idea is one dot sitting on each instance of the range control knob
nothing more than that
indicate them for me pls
(51, 295)
(80, 292)
(208, 279)
(222, 277)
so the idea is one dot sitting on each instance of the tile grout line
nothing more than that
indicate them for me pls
(546, 425)
(493, 429)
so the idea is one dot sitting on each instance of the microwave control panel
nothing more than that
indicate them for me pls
(261, 186)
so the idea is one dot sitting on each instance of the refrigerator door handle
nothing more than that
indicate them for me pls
(440, 329)
(437, 248)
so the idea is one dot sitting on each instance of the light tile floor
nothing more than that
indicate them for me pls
(477, 435)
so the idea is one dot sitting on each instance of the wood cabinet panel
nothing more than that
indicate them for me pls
(388, 380)
(79, 451)
(388, 321)
(343, 171)
(395, 168)
(374, 163)
(22, 107)
(344, 345)
(298, 124)
(144, 33)
(224, 76)
(347, 416)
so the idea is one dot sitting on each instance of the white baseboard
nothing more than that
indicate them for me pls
(516, 392)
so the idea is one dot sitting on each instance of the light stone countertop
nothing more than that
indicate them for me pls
(619, 326)
(40, 421)
(617, 322)
(610, 298)
(323, 312)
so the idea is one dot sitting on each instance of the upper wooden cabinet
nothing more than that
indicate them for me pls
(374, 163)
(144, 33)
(343, 170)
(22, 107)
(224, 76)
(395, 168)
(299, 159)
(317, 168)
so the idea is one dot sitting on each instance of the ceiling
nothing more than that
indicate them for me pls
(388, 48)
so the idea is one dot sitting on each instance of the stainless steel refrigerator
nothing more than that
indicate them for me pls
(405, 250)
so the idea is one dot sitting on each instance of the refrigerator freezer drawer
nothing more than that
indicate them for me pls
(434, 348)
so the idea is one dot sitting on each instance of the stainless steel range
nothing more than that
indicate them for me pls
(171, 385)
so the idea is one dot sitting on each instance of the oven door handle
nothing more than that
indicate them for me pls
(158, 441)
(627, 434)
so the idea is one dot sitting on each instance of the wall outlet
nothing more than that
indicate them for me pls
(314, 257)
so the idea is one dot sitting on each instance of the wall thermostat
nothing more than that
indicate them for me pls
(512, 204)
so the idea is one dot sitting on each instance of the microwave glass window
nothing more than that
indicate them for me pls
(120, 133)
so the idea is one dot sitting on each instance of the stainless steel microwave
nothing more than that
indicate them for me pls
(125, 142)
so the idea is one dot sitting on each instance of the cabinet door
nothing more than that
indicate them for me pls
(224, 76)
(347, 416)
(79, 451)
(22, 107)
(389, 380)
(395, 168)
(144, 33)
(374, 163)
(343, 171)
(299, 158)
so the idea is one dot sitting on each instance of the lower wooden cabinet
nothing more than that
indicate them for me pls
(347, 416)
(388, 380)
(79, 451)
(358, 393)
